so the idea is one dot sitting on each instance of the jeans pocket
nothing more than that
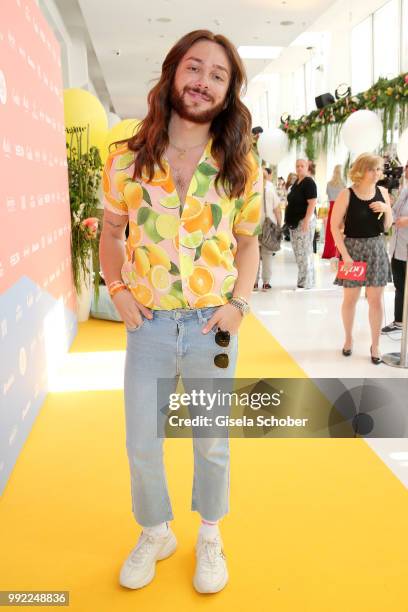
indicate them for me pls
(133, 329)
(213, 329)
(145, 322)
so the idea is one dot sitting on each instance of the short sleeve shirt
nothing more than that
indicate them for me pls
(180, 255)
(297, 200)
(271, 202)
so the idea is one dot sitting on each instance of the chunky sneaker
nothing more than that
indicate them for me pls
(392, 327)
(211, 573)
(140, 566)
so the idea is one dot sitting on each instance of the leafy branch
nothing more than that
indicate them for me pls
(84, 177)
(321, 128)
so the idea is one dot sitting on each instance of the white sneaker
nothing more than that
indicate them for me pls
(140, 566)
(211, 573)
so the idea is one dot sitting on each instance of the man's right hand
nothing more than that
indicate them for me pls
(130, 310)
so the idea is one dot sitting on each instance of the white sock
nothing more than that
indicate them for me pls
(157, 530)
(209, 530)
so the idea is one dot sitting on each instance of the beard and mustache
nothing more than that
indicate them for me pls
(189, 114)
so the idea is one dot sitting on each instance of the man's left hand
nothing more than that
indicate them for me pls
(401, 222)
(227, 318)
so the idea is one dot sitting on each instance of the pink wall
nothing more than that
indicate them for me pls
(35, 268)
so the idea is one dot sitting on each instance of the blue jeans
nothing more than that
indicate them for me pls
(166, 347)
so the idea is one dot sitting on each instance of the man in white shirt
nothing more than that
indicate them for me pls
(398, 251)
(273, 211)
(405, 179)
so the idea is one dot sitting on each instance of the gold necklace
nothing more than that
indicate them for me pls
(182, 151)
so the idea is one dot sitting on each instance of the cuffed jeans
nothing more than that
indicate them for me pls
(166, 347)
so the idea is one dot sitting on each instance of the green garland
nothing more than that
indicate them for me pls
(84, 177)
(320, 129)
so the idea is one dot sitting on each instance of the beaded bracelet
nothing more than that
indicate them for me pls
(115, 282)
(116, 289)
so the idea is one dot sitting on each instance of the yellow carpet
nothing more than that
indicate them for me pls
(314, 526)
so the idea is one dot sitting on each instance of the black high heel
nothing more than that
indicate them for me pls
(375, 360)
(347, 352)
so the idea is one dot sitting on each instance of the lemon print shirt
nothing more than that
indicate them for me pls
(180, 255)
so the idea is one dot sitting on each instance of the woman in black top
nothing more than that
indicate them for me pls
(364, 210)
(301, 218)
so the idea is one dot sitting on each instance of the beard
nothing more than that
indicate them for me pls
(178, 105)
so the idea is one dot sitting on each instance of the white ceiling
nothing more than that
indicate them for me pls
(131, 27)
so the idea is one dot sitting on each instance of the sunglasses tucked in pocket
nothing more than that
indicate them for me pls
(222, 338)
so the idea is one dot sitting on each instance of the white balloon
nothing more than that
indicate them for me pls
(402, 147)
(113, 119)
(273, 145)
(362, 132)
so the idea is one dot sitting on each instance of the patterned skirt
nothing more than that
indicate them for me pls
(373, 251)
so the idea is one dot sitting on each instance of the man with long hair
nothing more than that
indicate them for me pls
(190, 188)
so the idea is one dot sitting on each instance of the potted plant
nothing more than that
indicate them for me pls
(84, 177)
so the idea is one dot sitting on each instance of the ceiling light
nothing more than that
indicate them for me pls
(400, 456)
(287, 23)
(259, 52)
(163, 19)
(308, 39)
(261, 78)
(342, 91)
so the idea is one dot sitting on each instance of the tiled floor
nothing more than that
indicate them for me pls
(308, 325)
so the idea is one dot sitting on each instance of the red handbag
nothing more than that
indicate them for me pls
(358, 271)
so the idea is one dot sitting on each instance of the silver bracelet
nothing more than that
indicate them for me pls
(242, 306)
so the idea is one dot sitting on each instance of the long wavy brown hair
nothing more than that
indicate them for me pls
(230, 130)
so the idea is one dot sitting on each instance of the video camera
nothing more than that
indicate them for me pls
(392, 176)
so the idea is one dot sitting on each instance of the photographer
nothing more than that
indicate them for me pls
(392, 178)
(405, 178)
(398, 253)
